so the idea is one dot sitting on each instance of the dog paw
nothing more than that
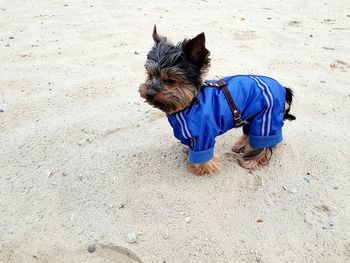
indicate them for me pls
(253, 159)
(208, 167)
(239, 146)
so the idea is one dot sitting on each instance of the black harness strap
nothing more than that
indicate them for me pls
(222, 85)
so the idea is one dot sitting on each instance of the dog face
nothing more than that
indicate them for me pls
(174, 72)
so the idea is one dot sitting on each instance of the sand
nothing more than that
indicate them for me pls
(83, 160)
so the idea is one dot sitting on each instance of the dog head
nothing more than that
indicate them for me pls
(174, 72)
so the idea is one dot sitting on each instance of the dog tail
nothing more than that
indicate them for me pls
(288, 104)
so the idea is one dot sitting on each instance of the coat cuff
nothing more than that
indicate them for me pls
(201, 156)
(259, 142)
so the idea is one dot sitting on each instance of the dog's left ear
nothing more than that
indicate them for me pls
(195, 50)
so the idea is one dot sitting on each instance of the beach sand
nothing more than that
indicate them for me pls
(83, 160)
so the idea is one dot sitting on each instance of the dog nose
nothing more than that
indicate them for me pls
(150, 94)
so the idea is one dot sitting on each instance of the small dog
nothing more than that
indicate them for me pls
(199, 111)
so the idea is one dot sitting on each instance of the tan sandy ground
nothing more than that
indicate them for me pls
(76, 141)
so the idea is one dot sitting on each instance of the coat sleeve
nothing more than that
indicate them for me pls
(203, 137)
(198, 133)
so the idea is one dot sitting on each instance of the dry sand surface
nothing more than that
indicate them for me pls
(83, 160)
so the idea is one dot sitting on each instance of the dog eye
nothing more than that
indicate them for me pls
(169, 81)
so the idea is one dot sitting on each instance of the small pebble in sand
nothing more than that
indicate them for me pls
(91, 248)
(331, 224)
(293, 191)
(121, 206)
(1, 110)
(284, 188)
(11, 37)
(136, 53)
(131, 238)
(187, 219)
(82, 142)
(7, 45)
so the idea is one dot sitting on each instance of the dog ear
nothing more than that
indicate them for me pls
(195, 50)
(157, 38)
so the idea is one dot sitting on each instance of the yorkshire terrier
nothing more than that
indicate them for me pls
(199, 110)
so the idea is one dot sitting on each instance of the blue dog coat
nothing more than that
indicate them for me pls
(260, 101)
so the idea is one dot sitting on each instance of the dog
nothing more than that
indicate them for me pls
(199, 110)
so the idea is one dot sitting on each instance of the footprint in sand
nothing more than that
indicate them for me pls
(245, 35)
(103, 254)
(339, 64)
(328, 21)
(154, 116)
(294, 23)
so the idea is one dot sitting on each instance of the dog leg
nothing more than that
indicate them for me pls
(239, 146)
(208, 167)
(185, 149)
(254, 158)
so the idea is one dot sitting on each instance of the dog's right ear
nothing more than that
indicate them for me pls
(157, 38)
